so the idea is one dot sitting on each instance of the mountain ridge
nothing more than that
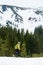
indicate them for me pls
(20, 17)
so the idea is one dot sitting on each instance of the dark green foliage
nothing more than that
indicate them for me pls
(30, 43)
(23, 50)
(39, 33)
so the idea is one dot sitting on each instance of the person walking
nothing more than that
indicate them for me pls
(17, 49)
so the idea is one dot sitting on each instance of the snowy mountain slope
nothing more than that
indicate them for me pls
(20, 17)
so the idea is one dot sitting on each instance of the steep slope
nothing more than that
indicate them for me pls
(19, 17)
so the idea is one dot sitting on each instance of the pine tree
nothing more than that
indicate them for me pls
(23, 50)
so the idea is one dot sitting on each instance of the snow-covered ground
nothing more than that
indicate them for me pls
(20, 61)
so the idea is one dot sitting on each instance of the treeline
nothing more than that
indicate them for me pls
(30, 43)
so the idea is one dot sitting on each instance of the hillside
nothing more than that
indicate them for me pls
(21, 17)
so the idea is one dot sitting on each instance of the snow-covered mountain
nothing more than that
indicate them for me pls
(21, 17)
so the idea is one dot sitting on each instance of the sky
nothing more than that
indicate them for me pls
(23, 3)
